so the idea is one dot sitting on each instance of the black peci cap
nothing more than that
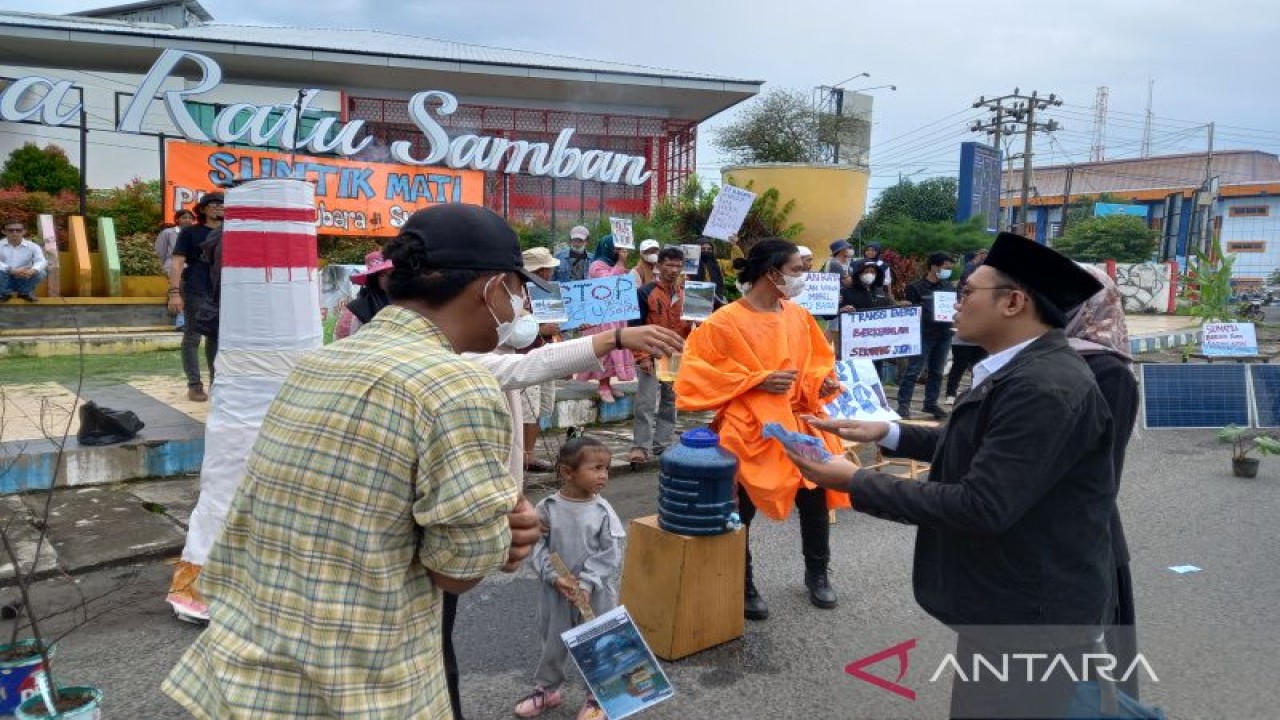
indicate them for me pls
(468, 237)
(1055, 276)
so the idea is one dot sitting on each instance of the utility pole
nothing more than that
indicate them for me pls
(1007, 120)
(1066, 199)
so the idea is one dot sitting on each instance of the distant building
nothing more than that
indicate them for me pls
(515, 97)
(1244, 212)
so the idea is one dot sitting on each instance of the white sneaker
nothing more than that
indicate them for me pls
(951, 400)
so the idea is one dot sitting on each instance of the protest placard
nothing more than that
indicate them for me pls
(880, 334)
(617, 664)
(336, 288)
(547, 307)
(599, 301)
(623, 236)
(730, 209)
(821, 294)
(699, 300)
(863, 397)
(692, 255)
(944, 307)
(1228, 339)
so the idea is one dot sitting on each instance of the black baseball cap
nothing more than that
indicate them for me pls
(458, 236)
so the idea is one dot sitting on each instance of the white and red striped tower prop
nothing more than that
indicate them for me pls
(269, 318)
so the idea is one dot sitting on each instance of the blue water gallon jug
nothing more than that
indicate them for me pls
(695, 486)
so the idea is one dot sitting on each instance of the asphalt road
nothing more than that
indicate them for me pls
(1211, 636)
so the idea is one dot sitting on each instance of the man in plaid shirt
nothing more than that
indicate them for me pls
(379, 480)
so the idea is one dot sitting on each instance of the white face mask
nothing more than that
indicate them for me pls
(651, 258)
(868, 278)
(792, 285)
(944, 274)
(520, 332)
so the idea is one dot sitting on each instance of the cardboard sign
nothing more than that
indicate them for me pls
(880, 334)
(692, 256)
(547, 307)
(617, 664)
(699, 300)
(944, 307)
(352, 197)
(728, 213)
(1228, 339)
(599, 301)
(821, 294)
(863, 397)
(623, 236)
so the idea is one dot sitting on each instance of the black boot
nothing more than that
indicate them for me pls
(821, 594)
(754, 607)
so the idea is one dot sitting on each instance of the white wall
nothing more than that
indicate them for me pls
(1252, 265)
(116, 158)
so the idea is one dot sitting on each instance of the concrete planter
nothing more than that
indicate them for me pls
(144, 286)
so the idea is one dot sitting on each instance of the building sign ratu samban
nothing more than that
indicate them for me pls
(352, 197)
(266, 125)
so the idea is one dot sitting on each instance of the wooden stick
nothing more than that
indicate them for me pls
(579, 599)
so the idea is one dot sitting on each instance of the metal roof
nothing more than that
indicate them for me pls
(356, 41)
(1166, 172)
(191, 6)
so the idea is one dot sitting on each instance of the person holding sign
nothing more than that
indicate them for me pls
(646, 271)
(661, 304)
(574, 262)
(607, 262)
(935, 338)
(1014, 520)
(764, 359)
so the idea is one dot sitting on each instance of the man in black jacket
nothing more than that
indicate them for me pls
(935, 337)
(1014, 518)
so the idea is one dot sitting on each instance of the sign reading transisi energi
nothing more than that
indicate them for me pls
(880, 334)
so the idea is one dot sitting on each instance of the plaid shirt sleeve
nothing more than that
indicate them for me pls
(464, 488)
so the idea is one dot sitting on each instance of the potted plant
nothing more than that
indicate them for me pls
(1243, 442)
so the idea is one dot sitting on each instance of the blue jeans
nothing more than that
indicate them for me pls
(933, 351)
(22, 286)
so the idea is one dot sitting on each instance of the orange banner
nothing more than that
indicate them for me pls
(352, 197)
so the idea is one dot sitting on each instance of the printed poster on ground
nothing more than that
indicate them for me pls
(728, 213)
(617, 664)
(880, 334)
(623, 235)
(821, 294)
(863, 397)
(599, 301)
(1228, 339)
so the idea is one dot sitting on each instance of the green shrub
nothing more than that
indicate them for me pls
(138, 254)
(345, 249)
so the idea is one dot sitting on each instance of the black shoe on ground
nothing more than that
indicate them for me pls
(27, 296)
(905, 412)
(754, 607)
(821, 594)
(937, 412)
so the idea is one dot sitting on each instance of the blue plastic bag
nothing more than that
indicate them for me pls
(806, 446)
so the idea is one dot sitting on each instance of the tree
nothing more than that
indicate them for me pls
(780, 126)
(932, 200)
(36, 170)
(1122, 238)
(915, 238)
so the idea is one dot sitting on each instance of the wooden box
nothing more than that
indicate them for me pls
(684, 593)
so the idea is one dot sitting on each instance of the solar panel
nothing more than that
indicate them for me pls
(1195, 395)
(1266, 394)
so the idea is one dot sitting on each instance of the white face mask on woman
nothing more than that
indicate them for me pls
(868, 278)
(520, 332)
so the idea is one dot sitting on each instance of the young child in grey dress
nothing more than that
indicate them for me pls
(582, 528)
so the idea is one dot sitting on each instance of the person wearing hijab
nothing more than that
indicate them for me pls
(1013, 550)
(709, 269)
(371, 298)
(618, 364)
(1097, 331)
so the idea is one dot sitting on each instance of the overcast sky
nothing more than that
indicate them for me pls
(1210, 61)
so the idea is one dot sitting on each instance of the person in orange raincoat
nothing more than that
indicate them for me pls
(764, 359)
